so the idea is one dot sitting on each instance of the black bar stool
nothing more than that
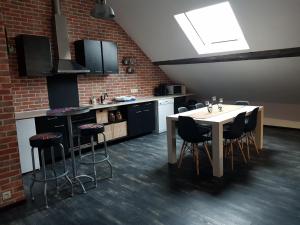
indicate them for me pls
(47, 141)
(90, 130)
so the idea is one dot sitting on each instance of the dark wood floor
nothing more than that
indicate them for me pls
(145, 190)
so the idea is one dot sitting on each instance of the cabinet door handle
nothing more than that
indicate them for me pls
(58, 126)
(52, 118)
(149, 103)
(138, 112)
(147, 110)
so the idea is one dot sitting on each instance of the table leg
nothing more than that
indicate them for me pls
(71, 143)
(259, 131)
(217, 149)
(171, 139)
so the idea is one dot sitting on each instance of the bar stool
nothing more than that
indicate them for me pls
(90, 130)
(47, 141)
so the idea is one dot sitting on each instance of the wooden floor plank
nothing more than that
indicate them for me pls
(146, 190)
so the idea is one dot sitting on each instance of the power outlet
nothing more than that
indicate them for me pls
(134, 90)
(6, 195)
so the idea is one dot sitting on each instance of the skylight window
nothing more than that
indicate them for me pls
(213, 29)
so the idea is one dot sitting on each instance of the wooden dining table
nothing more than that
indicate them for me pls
(216, 119)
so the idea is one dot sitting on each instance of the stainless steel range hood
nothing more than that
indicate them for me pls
(64, 64)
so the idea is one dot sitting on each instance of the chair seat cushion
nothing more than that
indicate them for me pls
(91, 129)
(46, 140)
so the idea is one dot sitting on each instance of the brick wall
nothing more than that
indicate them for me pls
(10, 172)
(36, 17)
(29, 93)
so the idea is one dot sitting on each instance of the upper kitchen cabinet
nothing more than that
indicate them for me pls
(100, 57)
(110, 57)
(88, 53)
(34, 55)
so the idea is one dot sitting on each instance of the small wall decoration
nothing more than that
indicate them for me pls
(130, 63)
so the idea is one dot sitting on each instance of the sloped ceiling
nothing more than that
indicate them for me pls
(267, 24)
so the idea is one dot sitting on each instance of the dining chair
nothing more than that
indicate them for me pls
(192, 134)
(182, 109)
(199, 105)
(242, 103)
(234, 134)
(250, 125)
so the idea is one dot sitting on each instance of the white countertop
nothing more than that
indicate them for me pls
(43, 112)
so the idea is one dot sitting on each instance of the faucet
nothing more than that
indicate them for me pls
(102, 97)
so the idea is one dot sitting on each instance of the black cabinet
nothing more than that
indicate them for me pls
(100, 57)
(140, 118)
(179, 102)
(53, 124)
(59, 124)
(110, 57)
(89, 54)
(34, 55)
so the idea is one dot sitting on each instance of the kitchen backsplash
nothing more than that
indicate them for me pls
(36, 18)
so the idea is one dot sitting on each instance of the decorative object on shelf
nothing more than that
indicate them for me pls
(102, 11)
(130, 70)
(129, 62)
(111, 117)
(119, 116)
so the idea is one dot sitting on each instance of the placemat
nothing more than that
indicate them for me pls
(205, 114)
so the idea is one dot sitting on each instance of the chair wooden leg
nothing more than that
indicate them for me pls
(253, 139)
(241, 149)
(196, 151)
(248, 149)
(225, 149)
(208, 154)
(231, 150)
(184, 144)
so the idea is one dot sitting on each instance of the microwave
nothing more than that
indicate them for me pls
(176, 89)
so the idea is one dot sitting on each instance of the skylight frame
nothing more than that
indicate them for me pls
(203, 40)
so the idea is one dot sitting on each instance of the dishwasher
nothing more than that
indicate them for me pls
(165, 107)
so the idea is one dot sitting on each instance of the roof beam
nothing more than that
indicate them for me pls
(267, 54)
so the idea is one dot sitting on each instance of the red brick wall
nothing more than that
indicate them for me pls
(10, 172)
(36, 17)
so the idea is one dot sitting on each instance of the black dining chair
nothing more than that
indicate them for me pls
(199, 105)
(242, 103)
(182, 109)
(250, 126)
(192, 134)
(234, 134)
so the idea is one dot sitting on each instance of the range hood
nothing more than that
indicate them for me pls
(64, 64)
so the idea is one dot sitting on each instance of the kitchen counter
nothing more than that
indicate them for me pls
(43, 112)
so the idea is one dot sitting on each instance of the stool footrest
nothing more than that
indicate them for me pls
(51, 178)
(82, 161)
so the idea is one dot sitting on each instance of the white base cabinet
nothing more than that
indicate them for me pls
(26, 129)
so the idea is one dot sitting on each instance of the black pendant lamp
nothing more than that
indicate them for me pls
(102, 11)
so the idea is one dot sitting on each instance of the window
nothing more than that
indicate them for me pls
(213, 29)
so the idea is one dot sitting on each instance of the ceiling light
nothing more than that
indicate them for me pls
(102, 11)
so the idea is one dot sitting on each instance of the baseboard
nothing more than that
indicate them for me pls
(282, 123)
